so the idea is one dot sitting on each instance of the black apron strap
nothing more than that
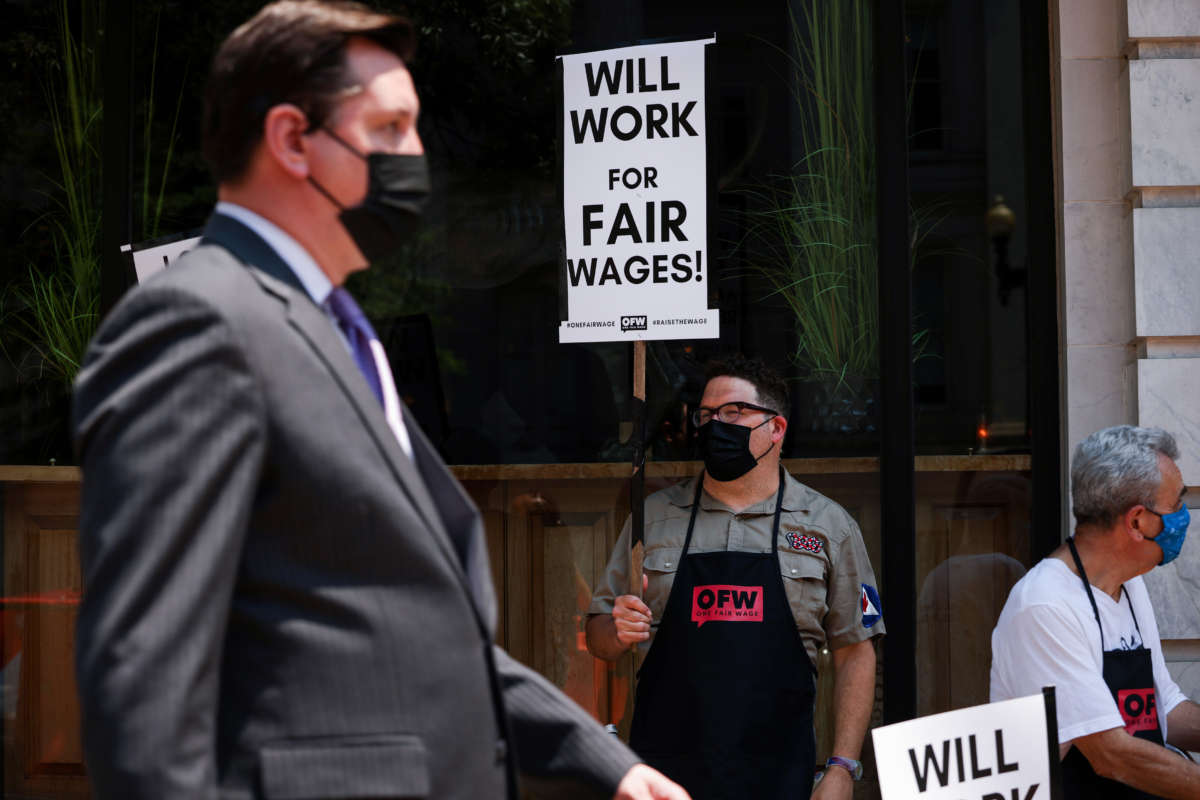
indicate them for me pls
(687, 541)
(778, 513)
(1087, 587)
(1129, 600)
(692, 519)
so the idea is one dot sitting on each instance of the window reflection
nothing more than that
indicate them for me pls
(972, 544)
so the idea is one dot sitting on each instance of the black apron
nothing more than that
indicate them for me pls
(1130, 677)
(724, 702)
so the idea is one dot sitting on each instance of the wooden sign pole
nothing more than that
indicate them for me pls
(637, 486)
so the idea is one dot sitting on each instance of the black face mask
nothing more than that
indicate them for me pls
(726, 449)
(397, 188)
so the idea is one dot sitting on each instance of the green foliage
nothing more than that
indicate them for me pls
(54, 312)
(487, 61)
(153, 198)
(812, 233)
(508, 33)
(59, 319)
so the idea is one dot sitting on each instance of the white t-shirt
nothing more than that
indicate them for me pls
(1047, 635)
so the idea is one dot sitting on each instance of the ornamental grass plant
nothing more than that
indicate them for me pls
(53, 312)
(813, 231)
(50, 316)
(811, 234)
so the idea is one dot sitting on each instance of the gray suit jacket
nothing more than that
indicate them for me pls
(278, 602)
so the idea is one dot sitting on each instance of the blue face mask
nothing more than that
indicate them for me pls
(1170, 539)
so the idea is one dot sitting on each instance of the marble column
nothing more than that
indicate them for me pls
(1164, 117)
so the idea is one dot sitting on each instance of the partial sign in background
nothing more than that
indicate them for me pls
(636, 194)
(158, 254)
(999, 751)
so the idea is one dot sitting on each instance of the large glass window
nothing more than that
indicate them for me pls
(539, 432)
(967, 167)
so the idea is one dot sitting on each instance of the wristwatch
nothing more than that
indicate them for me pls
(848, 764)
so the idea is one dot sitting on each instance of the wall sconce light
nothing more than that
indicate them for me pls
(1000, 222)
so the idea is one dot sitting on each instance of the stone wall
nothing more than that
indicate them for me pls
(1130, 117)
(1164, 105)
(1097, 226)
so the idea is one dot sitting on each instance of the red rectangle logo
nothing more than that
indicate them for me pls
(1139, 709)
(722, 602)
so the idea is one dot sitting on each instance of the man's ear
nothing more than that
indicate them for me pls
(284, 141)
(1135, 521)
(778, 428)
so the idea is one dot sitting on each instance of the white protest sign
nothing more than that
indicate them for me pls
(636, 194)
(151, 257)
(999, 751)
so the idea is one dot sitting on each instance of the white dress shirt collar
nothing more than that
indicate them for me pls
(318, 286)
(315, 282)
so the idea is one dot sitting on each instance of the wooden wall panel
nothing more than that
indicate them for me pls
(549, 536)
(556, 536)
(43, 753)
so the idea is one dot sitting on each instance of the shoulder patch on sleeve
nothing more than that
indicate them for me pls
(871, 607)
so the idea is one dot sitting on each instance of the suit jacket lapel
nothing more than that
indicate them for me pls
(278, 280)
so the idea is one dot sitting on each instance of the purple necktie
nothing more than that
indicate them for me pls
(358, 331)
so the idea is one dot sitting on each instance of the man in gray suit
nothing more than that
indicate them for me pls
(287, 594)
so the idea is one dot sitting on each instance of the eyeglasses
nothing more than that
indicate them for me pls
(728, 413)
(1182, 503)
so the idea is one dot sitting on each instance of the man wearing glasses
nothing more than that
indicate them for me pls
(1082, 621)
(748, 574)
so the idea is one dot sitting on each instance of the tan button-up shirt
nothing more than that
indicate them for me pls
(822, 558)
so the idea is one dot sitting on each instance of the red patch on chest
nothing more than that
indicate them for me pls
(800, 541)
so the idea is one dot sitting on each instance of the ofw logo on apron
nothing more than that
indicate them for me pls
(724, 602)
(1138, 709)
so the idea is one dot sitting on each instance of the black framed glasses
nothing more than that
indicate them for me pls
(727, 412)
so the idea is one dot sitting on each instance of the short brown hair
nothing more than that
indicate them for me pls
(291, 51)
(768, 384)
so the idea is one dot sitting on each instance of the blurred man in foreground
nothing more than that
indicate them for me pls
(288, 594)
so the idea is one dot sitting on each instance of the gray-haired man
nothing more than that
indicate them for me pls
(1081, 620)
